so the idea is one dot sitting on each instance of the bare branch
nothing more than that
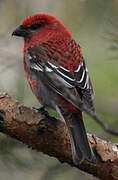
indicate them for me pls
(50, 136)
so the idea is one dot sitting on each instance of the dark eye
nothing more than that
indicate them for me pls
(35, 26)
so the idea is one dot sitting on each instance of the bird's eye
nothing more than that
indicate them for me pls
(35, 26)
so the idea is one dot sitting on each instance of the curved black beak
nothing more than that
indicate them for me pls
(20, 31)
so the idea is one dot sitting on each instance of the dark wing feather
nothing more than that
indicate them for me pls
(84, 86)
(79, 83)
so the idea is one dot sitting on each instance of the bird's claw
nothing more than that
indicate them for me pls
(41, 110)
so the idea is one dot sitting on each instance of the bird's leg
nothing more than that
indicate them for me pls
(42, 125)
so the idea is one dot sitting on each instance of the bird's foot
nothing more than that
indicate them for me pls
(41, 110)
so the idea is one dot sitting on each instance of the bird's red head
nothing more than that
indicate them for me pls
(39, 28)
(40, 19)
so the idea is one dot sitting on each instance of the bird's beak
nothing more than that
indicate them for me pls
(20, 31)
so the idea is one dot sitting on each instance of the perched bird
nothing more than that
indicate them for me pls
(54, 65)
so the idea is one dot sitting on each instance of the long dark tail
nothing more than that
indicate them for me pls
(81, 149)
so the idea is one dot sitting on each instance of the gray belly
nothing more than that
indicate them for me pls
(45, 96)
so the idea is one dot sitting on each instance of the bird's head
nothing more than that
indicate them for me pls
(40, 27)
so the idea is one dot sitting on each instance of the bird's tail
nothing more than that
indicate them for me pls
(81, 149)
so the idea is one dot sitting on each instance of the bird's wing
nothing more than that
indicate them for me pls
(60, 78)
(84, 86)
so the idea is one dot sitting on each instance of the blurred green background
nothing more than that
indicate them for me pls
(94, 25)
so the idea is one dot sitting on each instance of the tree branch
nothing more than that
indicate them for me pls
(50, 136)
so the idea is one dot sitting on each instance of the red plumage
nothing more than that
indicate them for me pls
(50, 51)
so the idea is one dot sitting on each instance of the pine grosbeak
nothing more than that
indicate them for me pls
(48, 42)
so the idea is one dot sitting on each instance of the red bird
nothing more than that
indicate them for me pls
(50, 51)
